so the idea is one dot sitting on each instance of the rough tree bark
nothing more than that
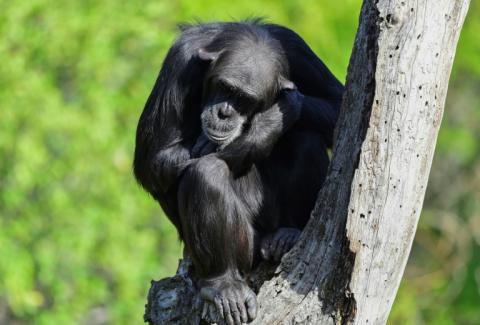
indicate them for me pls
(348, 263)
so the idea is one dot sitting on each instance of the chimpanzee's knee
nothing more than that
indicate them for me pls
(214, 218)
(206, 177)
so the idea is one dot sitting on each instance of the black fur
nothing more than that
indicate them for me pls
(233, 144)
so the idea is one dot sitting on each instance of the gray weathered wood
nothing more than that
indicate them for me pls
(348, 263)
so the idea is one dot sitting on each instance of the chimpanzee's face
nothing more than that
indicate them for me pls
(225, 112)
(237, 86)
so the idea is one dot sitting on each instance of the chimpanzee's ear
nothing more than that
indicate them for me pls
(204, 55)
(286, 84)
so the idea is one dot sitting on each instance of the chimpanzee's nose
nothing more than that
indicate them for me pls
(225, 112)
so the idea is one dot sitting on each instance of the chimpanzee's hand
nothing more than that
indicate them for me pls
(265, 128)
(203, 147)
(290, 104)
(274, 246)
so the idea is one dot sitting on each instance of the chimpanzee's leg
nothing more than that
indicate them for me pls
(215, 212)
(296, 169)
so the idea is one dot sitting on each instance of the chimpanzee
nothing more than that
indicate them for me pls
(233, 144)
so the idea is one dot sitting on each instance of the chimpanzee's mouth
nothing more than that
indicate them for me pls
(222, 133)
(223, 137)
(218, 137)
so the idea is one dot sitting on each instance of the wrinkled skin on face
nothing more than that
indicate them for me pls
(222, 118)
(238, 85)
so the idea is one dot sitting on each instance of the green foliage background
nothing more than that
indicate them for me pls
(79, 240)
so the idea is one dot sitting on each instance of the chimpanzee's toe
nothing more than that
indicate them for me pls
(233, 301)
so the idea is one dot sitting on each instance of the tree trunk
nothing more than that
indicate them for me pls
(348, 263)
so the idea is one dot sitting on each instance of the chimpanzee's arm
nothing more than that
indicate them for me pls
(170, 121)
(262, 133)
(323, 91)
(320, 115)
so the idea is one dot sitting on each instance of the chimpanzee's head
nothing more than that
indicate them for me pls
(246, 73)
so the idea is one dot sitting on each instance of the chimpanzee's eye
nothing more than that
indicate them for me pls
(229, 89)
(246, 102)
(222, 88)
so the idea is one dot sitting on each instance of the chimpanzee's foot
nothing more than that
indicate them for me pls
(230, 299)
(274, 246)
